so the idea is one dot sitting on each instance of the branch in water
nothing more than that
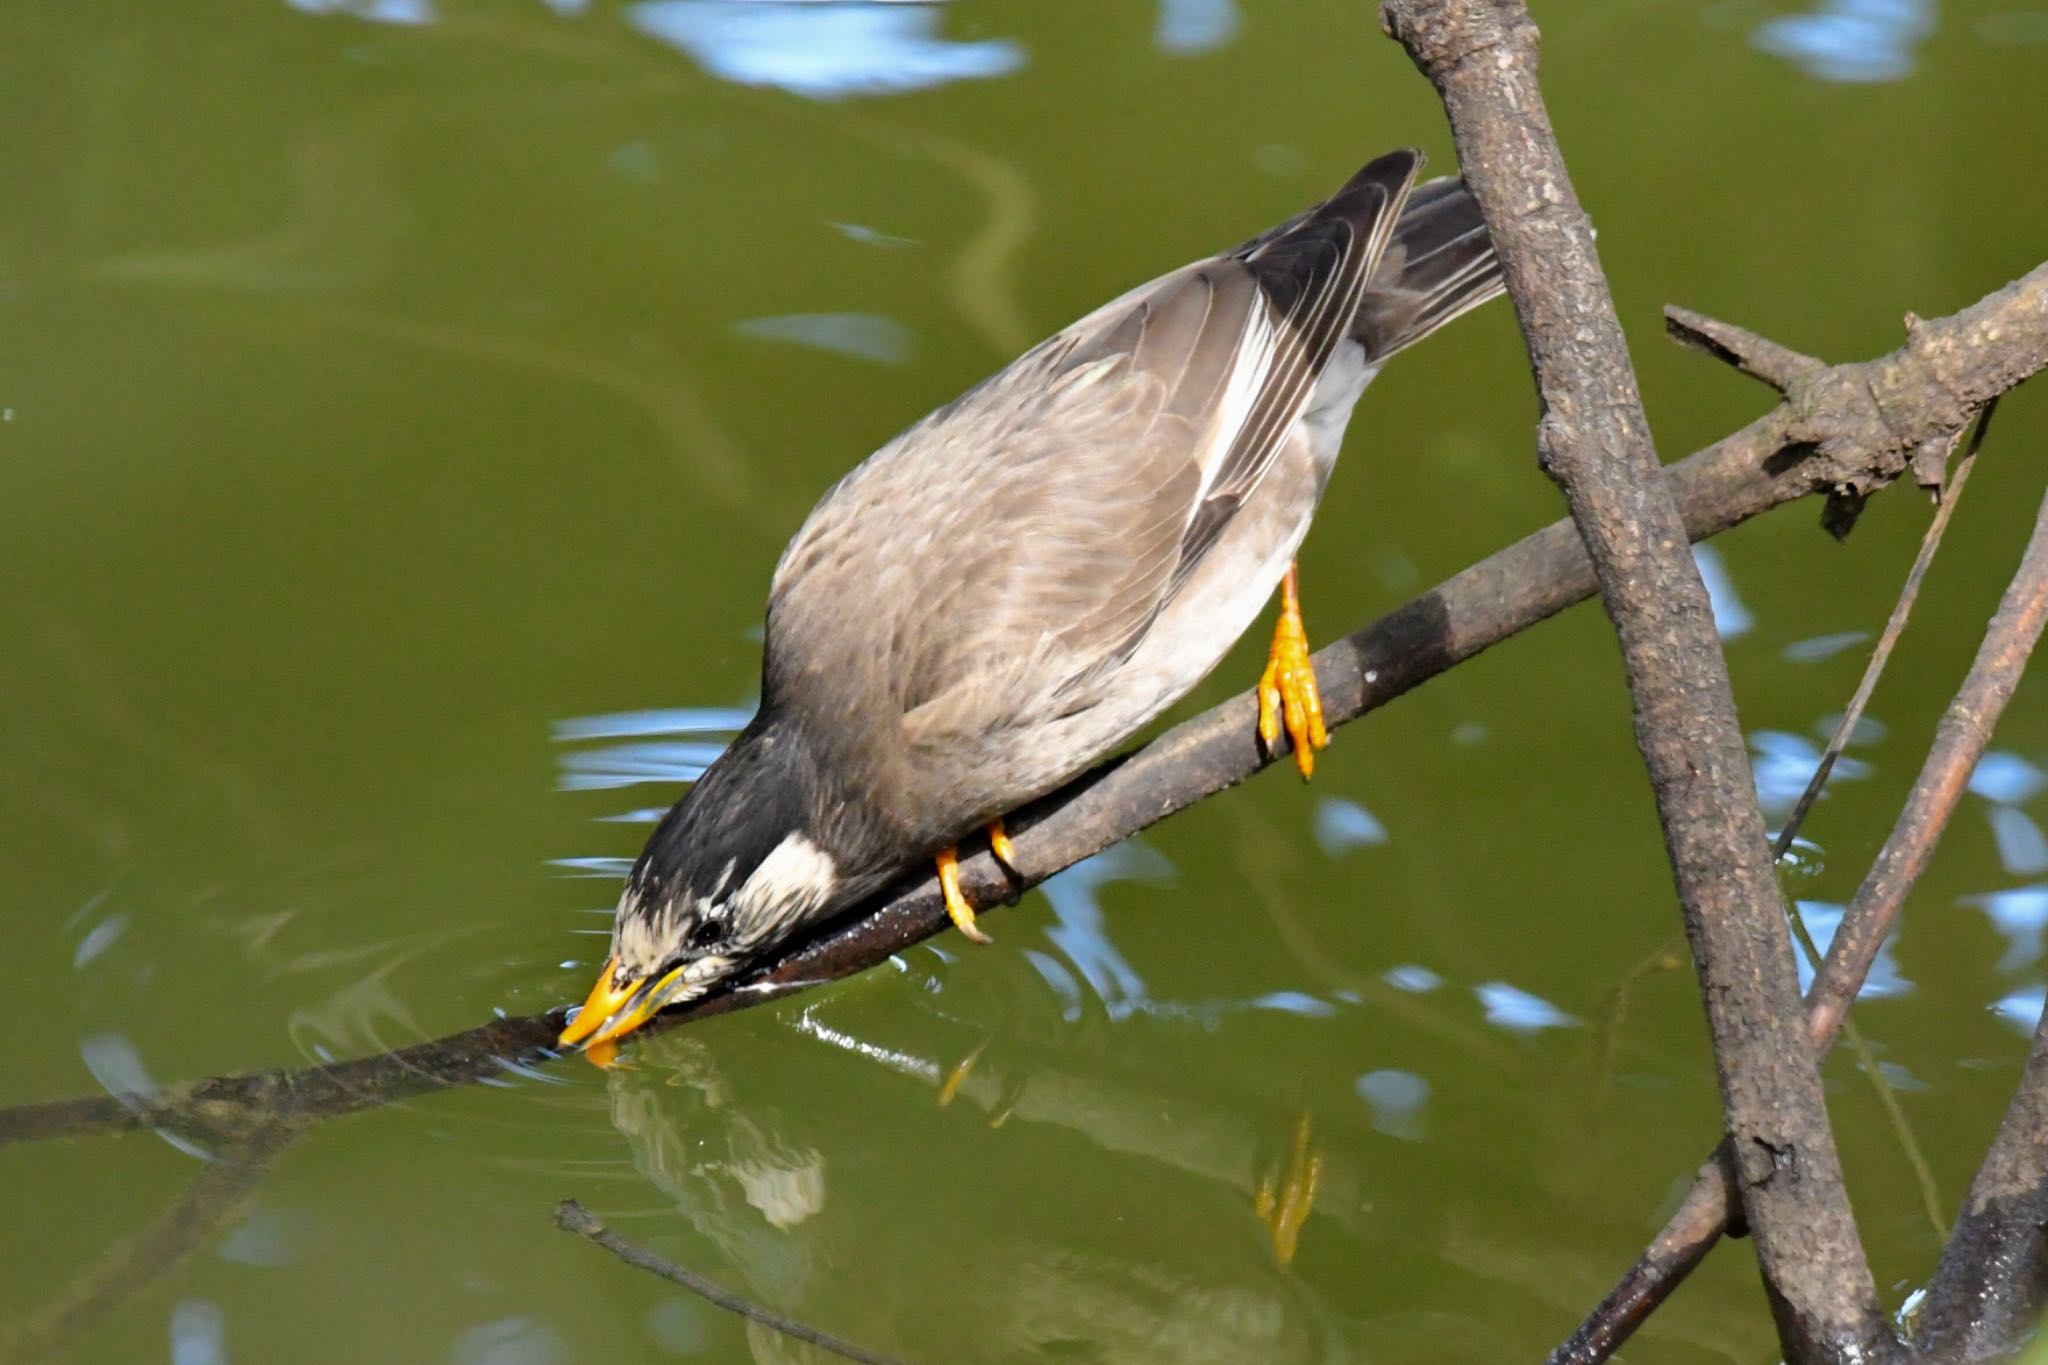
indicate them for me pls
(1859, 424)
(571, 1216)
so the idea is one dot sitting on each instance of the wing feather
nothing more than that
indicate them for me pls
(1079, 484)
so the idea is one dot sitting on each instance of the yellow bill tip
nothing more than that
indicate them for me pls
(640, 1002)
(599, 1006)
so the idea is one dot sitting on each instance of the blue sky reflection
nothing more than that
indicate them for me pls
(1852, 41)
(823, 52)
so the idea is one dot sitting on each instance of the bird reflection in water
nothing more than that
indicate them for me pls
(798, 1210)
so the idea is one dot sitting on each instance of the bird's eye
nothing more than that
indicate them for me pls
(701, 933)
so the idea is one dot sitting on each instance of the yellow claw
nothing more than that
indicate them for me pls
(1000, 845)
(1287, 690)
(957, 1076)
(957, 908)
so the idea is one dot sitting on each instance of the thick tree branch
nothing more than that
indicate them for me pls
(1841, 432)
(1987, 1294)
(1594, 440)
(1959, 742)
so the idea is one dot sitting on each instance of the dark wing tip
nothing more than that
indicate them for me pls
(1439, 265)
(1349, 230)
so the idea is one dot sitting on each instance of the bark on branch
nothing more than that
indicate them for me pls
(1987, 1294)
(1594, 440)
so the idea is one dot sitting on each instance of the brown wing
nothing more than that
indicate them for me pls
(1314, 274)
(1016, 544)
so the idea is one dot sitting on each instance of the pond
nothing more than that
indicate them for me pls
(402, 406)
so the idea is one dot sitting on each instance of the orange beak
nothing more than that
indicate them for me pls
(610, 1012)
(599, 1006)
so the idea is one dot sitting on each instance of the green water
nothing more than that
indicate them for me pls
(401, 409)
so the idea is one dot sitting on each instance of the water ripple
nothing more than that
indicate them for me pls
(666, 747)
(1188, 27)
(1343, 825)
(863, 336)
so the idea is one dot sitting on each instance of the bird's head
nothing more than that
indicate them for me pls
(732, 870)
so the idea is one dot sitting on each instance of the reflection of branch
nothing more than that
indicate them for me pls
(1594, 440)
(1961, 739)
(1857, 425)
(228, 1109)
(571, 1216)
(220, 1190)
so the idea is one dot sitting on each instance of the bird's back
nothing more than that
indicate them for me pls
(959, 616)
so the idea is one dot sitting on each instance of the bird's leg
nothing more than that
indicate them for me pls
(1285, 1197)
(1000, 845)
(1287, 691)
(957, 908)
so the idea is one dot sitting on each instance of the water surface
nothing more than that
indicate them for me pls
(402, 404)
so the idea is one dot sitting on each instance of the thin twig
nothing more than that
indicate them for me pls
(571, 1216)
(1887, 1097)
(1888, 639)
(1845, 728)
(1783, 368)
(1715, 338)
(1959, 742)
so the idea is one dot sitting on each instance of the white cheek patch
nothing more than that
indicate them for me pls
(794, 879)
(637, 945)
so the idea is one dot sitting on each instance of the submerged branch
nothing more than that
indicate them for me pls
(571, 1216)
(221, 1189)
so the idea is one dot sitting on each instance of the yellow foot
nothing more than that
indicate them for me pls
(958, 1074)
(1000, 845)
(1284, 1198)
(957, 908)
(1287, 691)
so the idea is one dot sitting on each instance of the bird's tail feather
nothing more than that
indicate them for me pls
(1439, 265)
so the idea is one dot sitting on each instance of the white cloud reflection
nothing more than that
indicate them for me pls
(371, 11)
(823, 51)
(1516, 1010)
(1854, 41)
(1188, 27)
(1731, 617)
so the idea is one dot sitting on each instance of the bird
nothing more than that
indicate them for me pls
(1019, 582)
